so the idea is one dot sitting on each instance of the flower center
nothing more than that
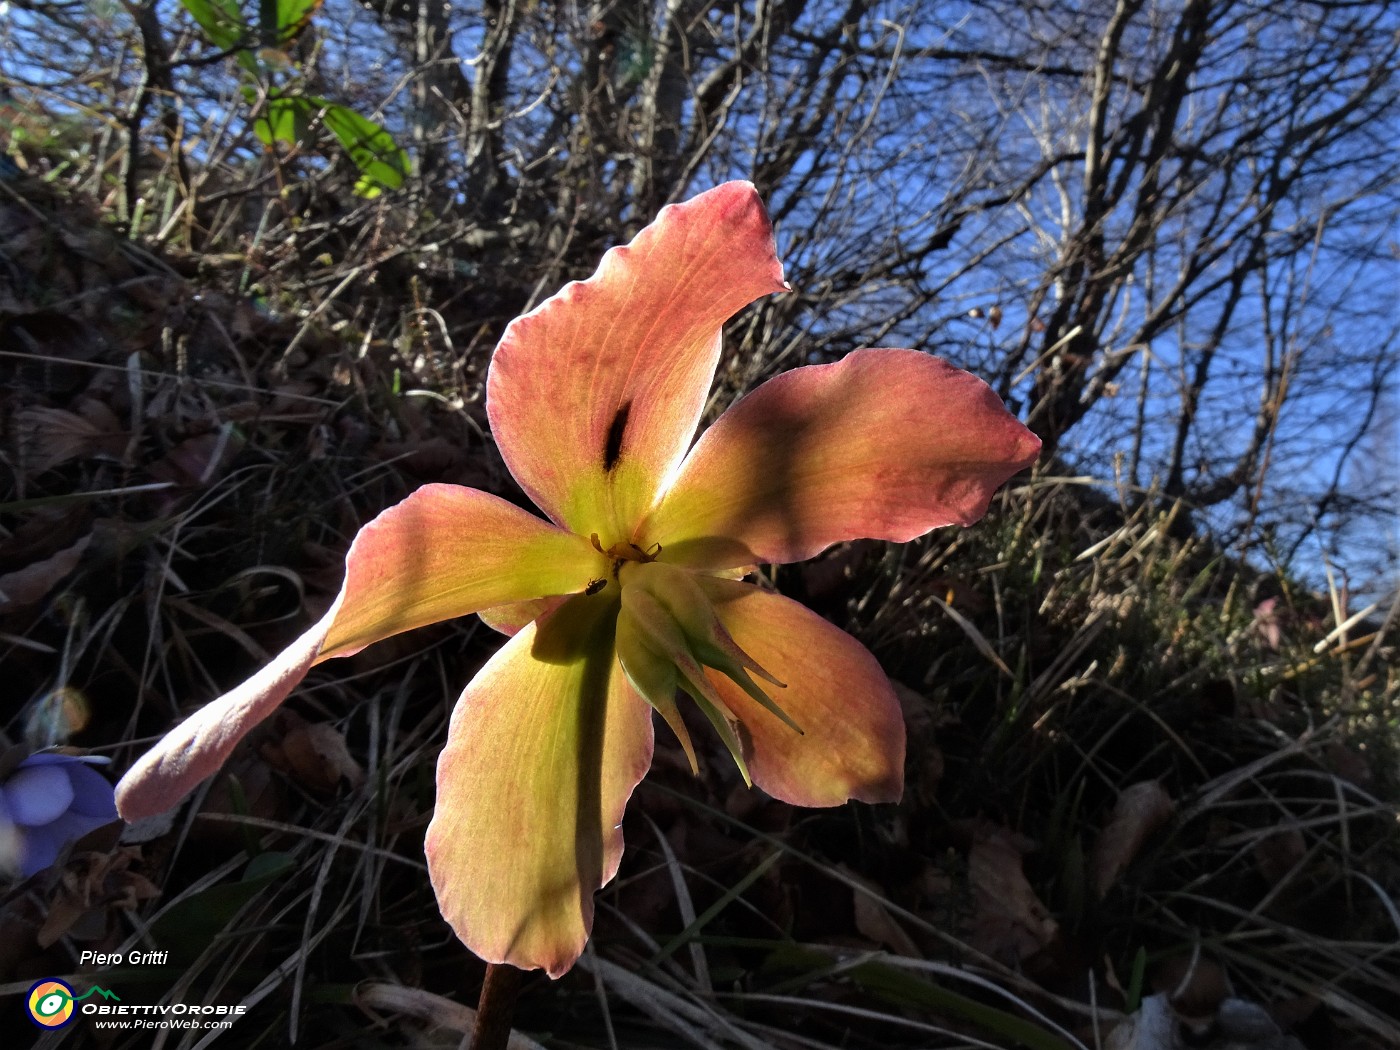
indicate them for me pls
(668, 634)
(620, 552)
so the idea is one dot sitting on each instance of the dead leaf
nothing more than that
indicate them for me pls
(1140, 810)
(293, 395)
(1246, 1022)
(430, 457)
(829, 577)
(314, 753)
(1194, 984)
(1009, 922)
(934, 885)
(244, 787)
(754, 808)
(199, 460)
(20, 954)
(873, 920)
(50, 437)
(46, 530)
(59, 343)
(90, 888)
(29, 585)
(1350, 764)
(924, 766)
(245, 321)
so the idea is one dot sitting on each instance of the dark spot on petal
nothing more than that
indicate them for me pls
(612, 451)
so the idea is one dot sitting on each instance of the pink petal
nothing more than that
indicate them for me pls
(443, 552)
(883, 444)
(543, 752)
(594, 396)
(852, 739)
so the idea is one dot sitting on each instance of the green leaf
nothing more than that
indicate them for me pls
(292, 16)
(910, 990)
(189, 925)
(894, 984)
(1133, 997)
(635, 57)
(286, 118)
(290, 118)
(383, 165)
(221, 20)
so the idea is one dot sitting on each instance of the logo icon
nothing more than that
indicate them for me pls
(51, 1004)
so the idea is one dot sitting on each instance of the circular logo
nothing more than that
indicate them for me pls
(51, 1004)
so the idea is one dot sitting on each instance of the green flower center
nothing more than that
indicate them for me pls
(668, 633)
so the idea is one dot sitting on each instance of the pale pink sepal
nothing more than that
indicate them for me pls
(883, 444)
(852, 740)
(594, 396)
(196, 748)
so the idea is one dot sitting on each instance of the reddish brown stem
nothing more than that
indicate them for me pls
(496, 1007)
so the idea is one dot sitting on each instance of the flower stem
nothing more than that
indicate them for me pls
(496, 1007)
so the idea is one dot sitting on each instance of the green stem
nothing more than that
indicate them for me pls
(495, 1008)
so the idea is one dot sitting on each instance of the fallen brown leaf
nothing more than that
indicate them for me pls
(1009, 921)
(91, 887)
(314, 753)
(873, 920)
(1141, 809)
(1350, 764)
(50, 437)
(199, 460)
(31, 584)
(1195, 985)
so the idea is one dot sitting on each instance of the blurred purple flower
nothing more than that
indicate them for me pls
(46, 802)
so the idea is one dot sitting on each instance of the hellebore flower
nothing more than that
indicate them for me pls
(47, 801)
(631, 591)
